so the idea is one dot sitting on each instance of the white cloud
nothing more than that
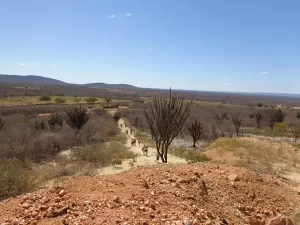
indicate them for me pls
(22, 64)
(149, 49)
(112, 16)
(225, 84)
(128, 14)
(264, 73)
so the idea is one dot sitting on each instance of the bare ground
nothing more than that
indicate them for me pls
(161, 194)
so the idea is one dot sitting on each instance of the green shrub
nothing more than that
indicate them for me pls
(107, 100)
(60, 100)
(76, 100)
(45, 98)
(91, 100)
(281, 127)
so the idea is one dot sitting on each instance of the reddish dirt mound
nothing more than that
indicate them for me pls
(161, 194)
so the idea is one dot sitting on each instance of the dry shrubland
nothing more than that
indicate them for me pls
(24, 142)
(217, 120)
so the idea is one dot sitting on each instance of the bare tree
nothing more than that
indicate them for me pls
(219, 118)
(237, 122)
(258, 117)
(166, 118)
(196, 131)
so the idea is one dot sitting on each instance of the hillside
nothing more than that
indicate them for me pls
(104, 85)
(161, 194)
(30, 79)
(39, 80)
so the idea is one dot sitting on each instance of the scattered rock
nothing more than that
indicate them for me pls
(116, 199)
(138, 197)
(233, 177)
(280, 220)
(61, 193)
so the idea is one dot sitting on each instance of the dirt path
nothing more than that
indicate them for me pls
(140, 160)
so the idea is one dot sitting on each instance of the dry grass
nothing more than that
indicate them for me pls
(35, 100)
(191, 154)
(261, 155)
(102, 155)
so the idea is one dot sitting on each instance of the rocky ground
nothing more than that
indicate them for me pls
(161, 194)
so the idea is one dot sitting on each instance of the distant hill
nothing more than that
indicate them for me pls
(30, 79)
(39, 80)
(104, 85)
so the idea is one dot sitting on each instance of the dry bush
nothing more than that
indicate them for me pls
(196, 131)
(29, 145)
(103, 154)
(38, 124)
(15, 178)
(35, 145)
(296, 132)
(132, 115)
(76, 117)
(55, 121)
(237, 122)
(32, 111)
(192, 155)
(100, 112)
(261, 155)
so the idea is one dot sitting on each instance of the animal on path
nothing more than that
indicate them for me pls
(133, 141)
(145, 150)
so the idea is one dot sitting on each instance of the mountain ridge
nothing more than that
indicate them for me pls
(41, 80)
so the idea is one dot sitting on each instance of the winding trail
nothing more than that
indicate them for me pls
(140, 160)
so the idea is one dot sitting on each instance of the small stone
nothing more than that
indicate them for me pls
(152, 206)
(280, 220)
(25, 205)
(233, 177)
(147, 202)
(116, 199)
(254, 221)
(62, 193)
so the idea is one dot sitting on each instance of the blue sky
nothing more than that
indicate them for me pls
(216, 45)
